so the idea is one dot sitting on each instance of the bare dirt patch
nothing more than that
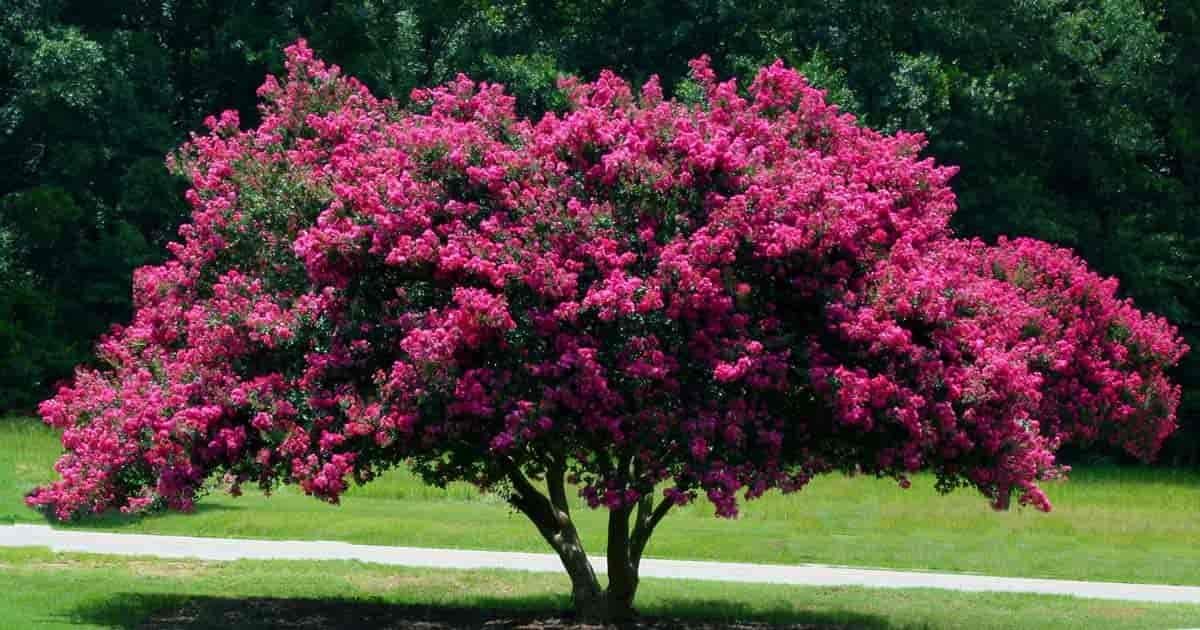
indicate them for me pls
(384, 583)
(1118, 611)
(140, 568)
(166, 568)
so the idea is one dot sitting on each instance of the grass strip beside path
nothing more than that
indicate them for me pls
(1109, 524)
(47, 590)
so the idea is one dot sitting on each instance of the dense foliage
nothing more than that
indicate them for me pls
(1075, 122)
(655, 300)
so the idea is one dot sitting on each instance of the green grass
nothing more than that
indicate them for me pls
(46, 590)
(1113, 524)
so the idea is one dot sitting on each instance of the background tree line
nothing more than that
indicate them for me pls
(1075, 121)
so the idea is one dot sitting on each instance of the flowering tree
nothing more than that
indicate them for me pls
(652, 301)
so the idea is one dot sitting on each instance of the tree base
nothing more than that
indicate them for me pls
(601, 608)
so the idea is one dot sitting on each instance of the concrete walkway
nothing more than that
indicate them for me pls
(804, 575)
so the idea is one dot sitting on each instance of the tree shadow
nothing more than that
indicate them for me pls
(114, 519)
(159, 611)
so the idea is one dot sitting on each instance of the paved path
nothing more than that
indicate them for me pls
(806, 575)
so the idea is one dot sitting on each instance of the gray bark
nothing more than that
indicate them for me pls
(552, 517)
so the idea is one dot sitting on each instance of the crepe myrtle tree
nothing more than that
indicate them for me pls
(647, 300)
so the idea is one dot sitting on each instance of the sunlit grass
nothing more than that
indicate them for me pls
(1109, 523)
(46, 590)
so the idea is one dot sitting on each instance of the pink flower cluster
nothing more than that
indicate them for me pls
(984, 359)
(712, 299)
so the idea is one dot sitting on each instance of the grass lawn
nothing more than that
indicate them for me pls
(46, 590)
(1113, 524)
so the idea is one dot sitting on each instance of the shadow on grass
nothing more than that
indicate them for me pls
(153, 611)
(114, 519)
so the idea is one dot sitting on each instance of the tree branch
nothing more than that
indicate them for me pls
(533, 504)
(555, 484)
(647, 521)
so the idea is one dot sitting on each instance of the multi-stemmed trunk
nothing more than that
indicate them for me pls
(626, 542)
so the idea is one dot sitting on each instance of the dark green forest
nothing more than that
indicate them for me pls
(1075, 121)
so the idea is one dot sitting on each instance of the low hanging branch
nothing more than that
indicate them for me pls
(651, 300)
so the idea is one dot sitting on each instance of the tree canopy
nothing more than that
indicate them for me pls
(1074, 122)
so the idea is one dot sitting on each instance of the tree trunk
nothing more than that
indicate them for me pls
(552, 517)
(622, 572)
(614, 604)
(625, 547)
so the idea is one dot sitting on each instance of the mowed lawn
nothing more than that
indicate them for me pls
(1111, 524)
(46, 590)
